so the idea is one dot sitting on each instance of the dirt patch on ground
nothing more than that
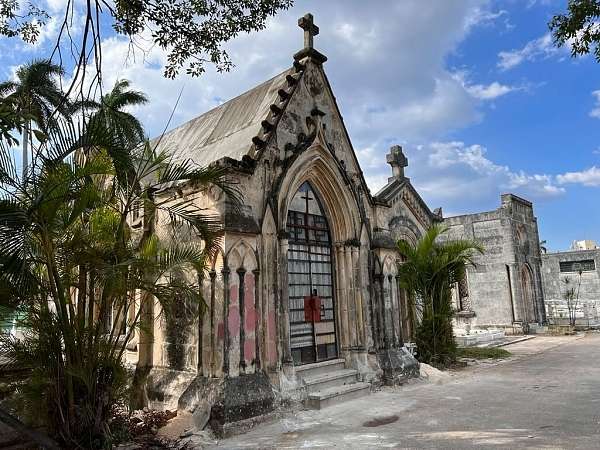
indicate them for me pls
(379, 421)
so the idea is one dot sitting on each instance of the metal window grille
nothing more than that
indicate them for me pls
(310, 271)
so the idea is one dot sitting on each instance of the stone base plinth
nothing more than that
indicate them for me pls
(231, 400)
(398, 365)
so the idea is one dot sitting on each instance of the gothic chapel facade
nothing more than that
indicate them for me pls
(305, 282)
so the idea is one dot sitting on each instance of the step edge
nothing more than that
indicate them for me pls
(343, 373)
(318, 365)
(346, 389)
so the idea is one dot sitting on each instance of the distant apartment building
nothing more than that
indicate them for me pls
(586, 244)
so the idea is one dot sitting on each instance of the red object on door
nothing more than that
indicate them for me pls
(312, 308)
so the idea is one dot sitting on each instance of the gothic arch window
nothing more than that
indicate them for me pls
(310, 278)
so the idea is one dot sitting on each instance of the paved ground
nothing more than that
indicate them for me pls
(547, 396)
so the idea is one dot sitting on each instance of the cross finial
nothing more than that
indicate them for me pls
(397, 160)
(310, 29)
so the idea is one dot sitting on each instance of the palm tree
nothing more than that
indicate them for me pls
(431, 267)
(35, 96)
(73, 213)
(111, 112)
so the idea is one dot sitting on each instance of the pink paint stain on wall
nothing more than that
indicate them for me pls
(234, 320)
(250, 318)
(234, 314)
(249, 350)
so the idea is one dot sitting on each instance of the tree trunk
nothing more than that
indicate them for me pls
(25, 148)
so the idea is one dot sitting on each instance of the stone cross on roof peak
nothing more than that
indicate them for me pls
(397, 160)
(307, 23)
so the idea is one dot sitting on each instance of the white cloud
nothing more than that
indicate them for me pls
(539, 48)
(389, 75)
(482, 16)
(490, 91)
(589, 177)
(388, 70)
(595, 112)
(462, 177)
(485, 92)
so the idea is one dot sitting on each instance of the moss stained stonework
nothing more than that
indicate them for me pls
(283, 140)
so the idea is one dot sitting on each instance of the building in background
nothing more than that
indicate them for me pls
(504, 289)
(581, 267)
(586, 244)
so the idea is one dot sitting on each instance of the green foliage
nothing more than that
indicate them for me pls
(35, 93)
(483, 353)
(25, 22)
(72, 256)
(579, 27)
(429, 271)
(435, 339)
(111, 112)
(192, 32)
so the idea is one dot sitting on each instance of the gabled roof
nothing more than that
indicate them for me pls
(227, 130)
(394, 186)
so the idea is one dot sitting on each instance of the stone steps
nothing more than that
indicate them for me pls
(310, 370)
(337, 394)
(330, 379)
(329, 382)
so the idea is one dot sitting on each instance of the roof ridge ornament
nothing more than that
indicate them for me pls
(307, 23)
(398, 161)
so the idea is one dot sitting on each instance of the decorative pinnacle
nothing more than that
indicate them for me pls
(307, 23)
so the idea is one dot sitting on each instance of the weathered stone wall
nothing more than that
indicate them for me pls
(552, 276)
(588, 286)
(245, 331)
(504, 287)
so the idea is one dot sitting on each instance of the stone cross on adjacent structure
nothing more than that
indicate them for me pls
(310, 29)
(397, 160)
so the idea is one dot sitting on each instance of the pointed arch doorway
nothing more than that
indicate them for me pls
(312, 334)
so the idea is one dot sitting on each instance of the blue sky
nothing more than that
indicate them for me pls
(474, 90)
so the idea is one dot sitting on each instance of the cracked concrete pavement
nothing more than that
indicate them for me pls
(546, 396)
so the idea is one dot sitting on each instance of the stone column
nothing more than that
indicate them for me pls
(539, 294)
(358, 291)
(242, 309)
(393, 301)
(284, 301)
(375, 317)
(401, 308)
(210, 370)
(351, 296)
(258, 313)
(342, 298)
(380, 280)
(146, 339)
(226, 338)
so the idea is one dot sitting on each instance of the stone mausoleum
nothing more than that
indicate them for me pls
(303, 298)
(503, 290)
